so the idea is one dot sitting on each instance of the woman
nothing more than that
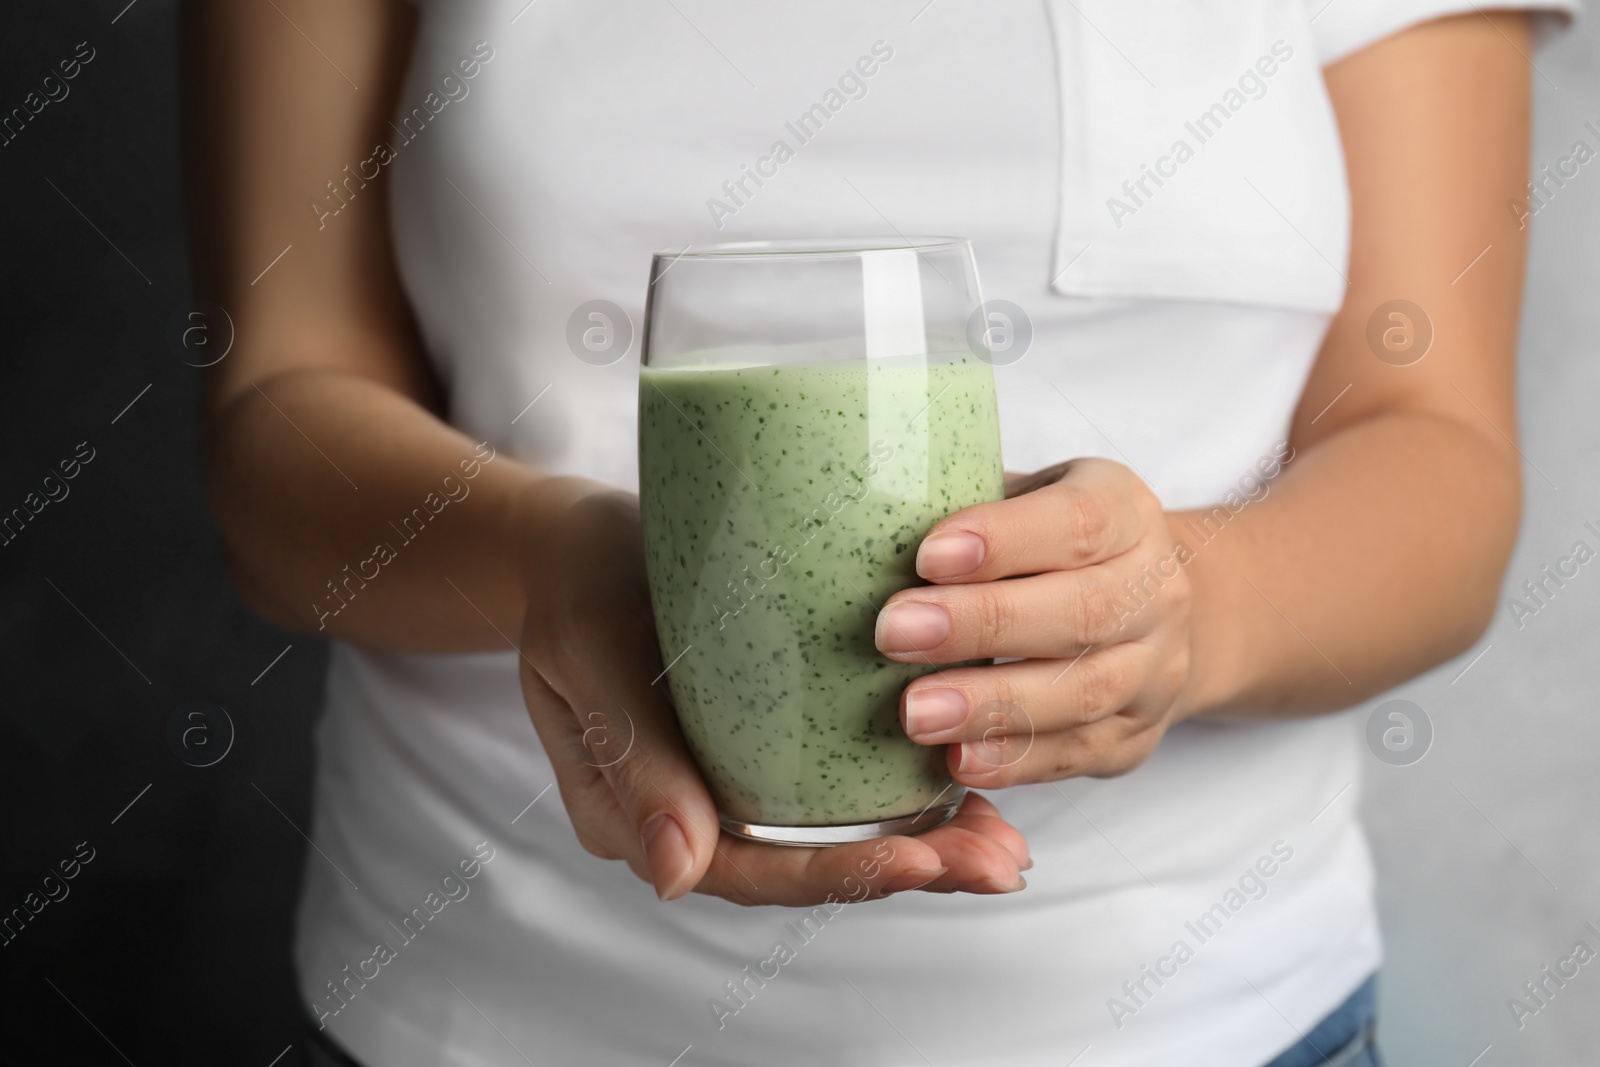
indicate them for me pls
(1272, 284)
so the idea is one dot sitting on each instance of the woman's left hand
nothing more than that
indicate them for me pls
(1077, 576)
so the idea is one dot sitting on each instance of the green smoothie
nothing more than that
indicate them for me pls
(782, 506)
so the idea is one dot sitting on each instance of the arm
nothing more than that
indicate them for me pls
(1380, 550)
(1387, 538)
(321, 428)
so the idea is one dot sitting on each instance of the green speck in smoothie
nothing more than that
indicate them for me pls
(863, 453)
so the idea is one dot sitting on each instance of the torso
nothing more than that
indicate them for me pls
(591, 139)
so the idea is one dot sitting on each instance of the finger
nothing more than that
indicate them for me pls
(1060, 613)
(1018, 482)
(668, 809)
(1093, 511)
(975, 849)
(1010, 702)
(668, 817)
(751, 872)
(978, 865)
(1104, 749)
(982, 852)
(979, 816)
(584, 790)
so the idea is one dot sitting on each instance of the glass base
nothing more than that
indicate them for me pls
(813, 836)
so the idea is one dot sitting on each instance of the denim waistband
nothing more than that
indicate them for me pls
(1346, 1037)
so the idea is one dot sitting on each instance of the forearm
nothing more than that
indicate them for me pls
(348, 508)
(1380, 551)
(1378, 554)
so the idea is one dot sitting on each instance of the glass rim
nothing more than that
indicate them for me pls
(811, 247)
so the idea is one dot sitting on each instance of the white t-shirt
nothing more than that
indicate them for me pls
(1160, 187)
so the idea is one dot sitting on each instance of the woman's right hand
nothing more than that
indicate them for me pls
(592, 677)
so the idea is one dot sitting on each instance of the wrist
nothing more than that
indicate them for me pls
(1219, 668)
(555, 523)
(535, 515)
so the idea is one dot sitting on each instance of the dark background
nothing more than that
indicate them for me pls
(172, 944)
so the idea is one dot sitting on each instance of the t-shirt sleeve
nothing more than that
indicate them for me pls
(1345, 26)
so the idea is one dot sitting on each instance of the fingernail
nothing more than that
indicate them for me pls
(666, 849)
(1027, 865)
(1000, 887)
(928, 711)
(911, 627)
(913, 879)
(950, 555)
(980, 756)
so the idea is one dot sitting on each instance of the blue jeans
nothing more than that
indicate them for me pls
(1346, 1038)
(1343, 1039)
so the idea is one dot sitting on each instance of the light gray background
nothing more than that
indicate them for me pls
(1488, 849)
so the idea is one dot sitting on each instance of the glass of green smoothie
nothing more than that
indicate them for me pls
(807, 411)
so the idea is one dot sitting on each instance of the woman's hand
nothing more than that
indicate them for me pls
(589, 657)
(1076, 575)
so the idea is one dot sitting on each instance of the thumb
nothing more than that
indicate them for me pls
(668, 809)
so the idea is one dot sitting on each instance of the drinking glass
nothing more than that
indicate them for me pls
(807, 410)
